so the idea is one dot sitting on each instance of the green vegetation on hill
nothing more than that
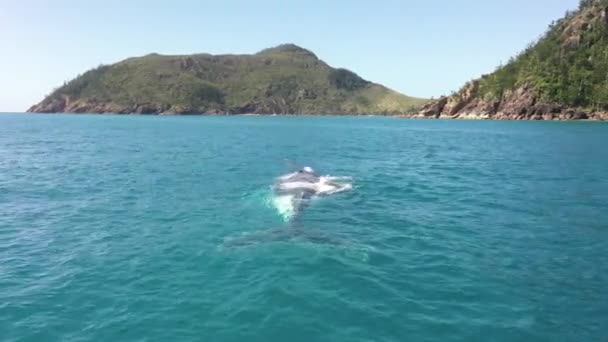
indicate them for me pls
(568, 65)
(286, 79)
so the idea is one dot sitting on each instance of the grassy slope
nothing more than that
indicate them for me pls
(285, 79)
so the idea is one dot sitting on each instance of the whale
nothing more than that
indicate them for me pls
(291, 194)
(294, 191)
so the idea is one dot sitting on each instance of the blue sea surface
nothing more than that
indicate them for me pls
(117, 228)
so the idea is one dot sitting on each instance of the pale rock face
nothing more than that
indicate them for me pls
(520, 104)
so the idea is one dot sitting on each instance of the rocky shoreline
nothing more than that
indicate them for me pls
(520, 104)
(64, 104)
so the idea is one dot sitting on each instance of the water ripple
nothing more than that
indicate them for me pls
(454, 231)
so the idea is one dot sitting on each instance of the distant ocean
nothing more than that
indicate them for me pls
(114, 228)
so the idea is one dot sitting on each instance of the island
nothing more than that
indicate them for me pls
(286, 79)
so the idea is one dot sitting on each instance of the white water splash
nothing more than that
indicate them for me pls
(284, 206)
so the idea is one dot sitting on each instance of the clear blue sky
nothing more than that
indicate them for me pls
(419, 47)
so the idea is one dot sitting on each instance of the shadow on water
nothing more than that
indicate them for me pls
(295, 235)
(292, 232)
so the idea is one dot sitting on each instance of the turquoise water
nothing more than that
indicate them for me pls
(115, 228)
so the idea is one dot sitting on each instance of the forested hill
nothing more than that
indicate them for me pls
(564, 75)
(286, 79)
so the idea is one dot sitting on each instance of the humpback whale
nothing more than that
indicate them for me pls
(291, 193)
(294, 191)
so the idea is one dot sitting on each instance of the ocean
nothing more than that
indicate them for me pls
(123, 228)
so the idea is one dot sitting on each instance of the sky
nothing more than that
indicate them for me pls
(423, 48)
